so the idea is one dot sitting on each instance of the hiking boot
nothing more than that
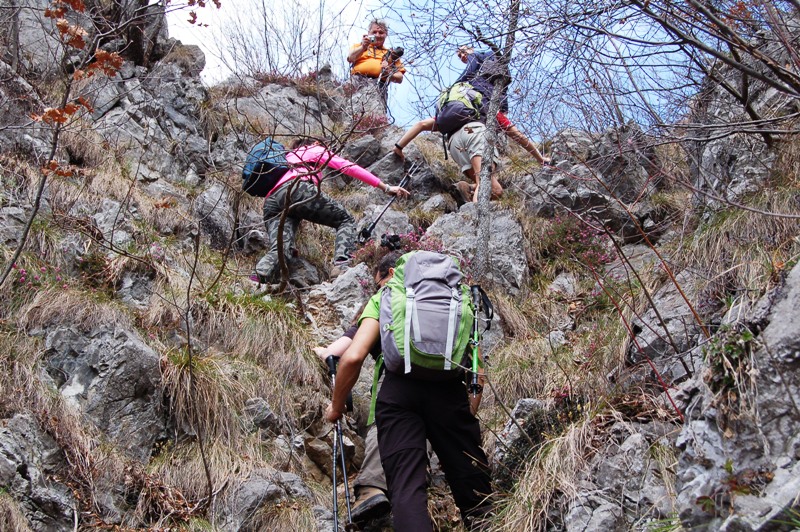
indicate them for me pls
(370, 504)
(461, 193)
(339, 267)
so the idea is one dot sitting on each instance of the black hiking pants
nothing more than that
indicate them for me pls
(410, 411)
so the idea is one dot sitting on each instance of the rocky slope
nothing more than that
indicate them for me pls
(147, 383)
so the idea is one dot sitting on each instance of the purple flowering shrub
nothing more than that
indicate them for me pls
(570, 238)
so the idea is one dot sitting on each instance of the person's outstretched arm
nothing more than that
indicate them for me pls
(429, 124)
(517, 136)
(318, 154)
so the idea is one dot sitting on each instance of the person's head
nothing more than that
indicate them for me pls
(379, 29)
(464, 52)
(304, 141)
(384, 270)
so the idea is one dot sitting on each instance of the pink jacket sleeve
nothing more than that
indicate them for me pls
(322, 157)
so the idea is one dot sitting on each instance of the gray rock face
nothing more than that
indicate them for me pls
(28, 459)
(458, 233)
(38, 41)
(136, 288)
(156, 116)
(753, 446)
(669, 328)
(112, 219)
(261, 488)
(607, 178)
(439, 204)
(626, 483)
(113, 378)
(281, 110)
(332, 306)
(731, 166)
(18, 101)
(263, 416)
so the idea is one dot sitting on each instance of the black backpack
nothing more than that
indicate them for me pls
(457, 106)
(265, 166)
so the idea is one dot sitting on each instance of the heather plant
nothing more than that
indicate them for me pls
(576, 242)
(37, 277)
(369, 123)
(416, 239)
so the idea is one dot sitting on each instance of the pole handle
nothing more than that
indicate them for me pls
(332, 361)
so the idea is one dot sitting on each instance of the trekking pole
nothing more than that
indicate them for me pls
(339, 453)
(480, 301)
(366, 233)
(474, 387)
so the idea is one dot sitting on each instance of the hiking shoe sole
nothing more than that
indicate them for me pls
(374, 507)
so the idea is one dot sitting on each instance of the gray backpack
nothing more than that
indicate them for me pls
(426, 317)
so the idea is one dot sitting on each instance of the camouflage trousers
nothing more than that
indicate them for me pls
(305, 204)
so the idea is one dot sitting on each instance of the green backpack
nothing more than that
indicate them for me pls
(426, 317)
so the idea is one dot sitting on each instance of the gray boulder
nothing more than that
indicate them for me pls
(29, 459)
(423, 181)
(215, 213)
(392, 222)
(260, 489)
(459, 232)
(12, 222)
(113, 378)
(279, 110)
(364, 151)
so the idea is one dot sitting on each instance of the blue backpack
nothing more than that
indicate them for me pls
(264, 167)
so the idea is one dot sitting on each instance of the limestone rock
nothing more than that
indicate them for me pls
(458, 233)
(113, 377)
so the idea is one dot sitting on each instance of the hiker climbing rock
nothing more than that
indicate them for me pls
(370, 485)
(422, 397)
(483, 71)
(307, 202)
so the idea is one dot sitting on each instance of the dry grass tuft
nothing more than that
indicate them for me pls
(286, 515)
(744, 252)
(57, 306)
(89, 464)
(85, 146)
(208, 392)
(315, 244)
(268, 330)
(552, 473)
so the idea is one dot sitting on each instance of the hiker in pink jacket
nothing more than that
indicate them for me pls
(306, 201)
